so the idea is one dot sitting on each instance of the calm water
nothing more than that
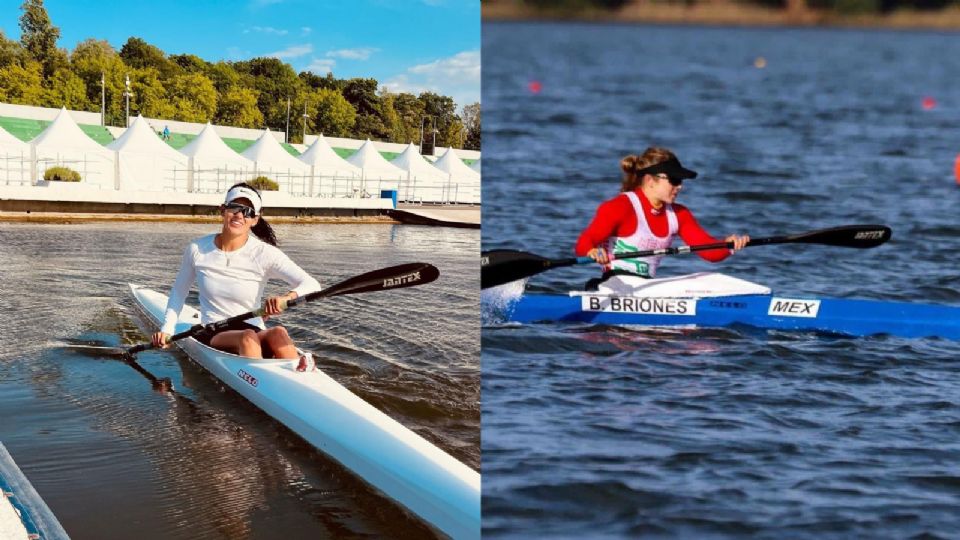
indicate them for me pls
(114, 459)
(592, 431)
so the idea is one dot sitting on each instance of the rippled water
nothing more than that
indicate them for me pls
(593, 431)
(114, 459)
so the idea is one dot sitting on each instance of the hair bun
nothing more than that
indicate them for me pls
(629, 164)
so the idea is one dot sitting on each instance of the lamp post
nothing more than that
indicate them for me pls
(433, 123)
(103, 99)
(286, 137)
(422, 120)
(305, 116)
(127, 95)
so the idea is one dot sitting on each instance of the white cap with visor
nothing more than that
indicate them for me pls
(241, 192)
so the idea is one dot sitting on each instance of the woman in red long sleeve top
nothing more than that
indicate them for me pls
(644, 216)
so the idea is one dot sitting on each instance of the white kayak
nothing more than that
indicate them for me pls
(407, 468)
(23, 514)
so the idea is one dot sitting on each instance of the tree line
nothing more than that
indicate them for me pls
(253, 93)
(846, 7)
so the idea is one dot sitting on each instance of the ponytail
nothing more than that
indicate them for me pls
(264, 232)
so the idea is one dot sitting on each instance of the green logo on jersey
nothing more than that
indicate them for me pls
(642, 268)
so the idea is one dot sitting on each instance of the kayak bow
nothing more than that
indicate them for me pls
(433, 485)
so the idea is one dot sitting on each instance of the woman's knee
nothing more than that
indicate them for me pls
(249, 338)
(278, 334)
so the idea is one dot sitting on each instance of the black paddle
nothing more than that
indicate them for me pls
(394, 277)
(505, 265)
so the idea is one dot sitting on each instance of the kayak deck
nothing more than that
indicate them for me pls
(433, 485)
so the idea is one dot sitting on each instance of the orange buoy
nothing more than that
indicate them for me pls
(956, 169)
(928, 103)
(534, 87)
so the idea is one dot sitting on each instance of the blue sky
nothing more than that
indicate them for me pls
(407, 45)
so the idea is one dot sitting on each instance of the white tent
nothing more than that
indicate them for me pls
(214, 166)
(328, 171)
(451, 164)
(271, 160)
(146, 163)
(476, 167)
(64, 144)
(377, 173)
(422, 182)
(464, 181)
(14, 160)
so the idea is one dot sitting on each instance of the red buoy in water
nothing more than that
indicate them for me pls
(534, 87)
(956, 169)
(928, 103)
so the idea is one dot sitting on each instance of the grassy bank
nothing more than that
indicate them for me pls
(728, 14)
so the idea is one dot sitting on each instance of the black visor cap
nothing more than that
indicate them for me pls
(670, 167)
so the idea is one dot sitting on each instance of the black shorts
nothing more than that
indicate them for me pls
(205, 336)
(594, 283)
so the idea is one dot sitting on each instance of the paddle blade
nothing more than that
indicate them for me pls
(852, 236)
(505, 265)
(394, 277)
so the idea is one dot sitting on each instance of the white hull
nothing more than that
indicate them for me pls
(406, 467)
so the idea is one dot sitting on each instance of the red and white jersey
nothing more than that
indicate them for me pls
(630, 216)
(642, 239)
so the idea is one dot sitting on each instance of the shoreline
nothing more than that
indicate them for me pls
(67, 218)
(729, 14)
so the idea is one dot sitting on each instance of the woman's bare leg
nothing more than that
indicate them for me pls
(278, 341)
(241, 342)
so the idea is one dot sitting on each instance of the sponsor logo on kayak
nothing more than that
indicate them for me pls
(869, 235)
(643, 306)
(484, 261)
(726, 304)
(251, 380)
(401, 280)
(794, 307)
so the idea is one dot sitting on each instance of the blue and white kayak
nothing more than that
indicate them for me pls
(716, 300)
(23, 514)
(407, 468)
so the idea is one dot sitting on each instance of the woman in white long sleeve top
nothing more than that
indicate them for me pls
(231, 269)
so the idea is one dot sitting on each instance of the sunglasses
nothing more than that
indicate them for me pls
(675, 182)
(242, 208)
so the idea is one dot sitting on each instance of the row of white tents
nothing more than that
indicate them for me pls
(140, 160)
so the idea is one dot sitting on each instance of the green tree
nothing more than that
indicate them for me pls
(317, 82)
(22, 85)
(92, 58)
(39, 36)
(193, 97)
(149, 94)
(10, 51)
(410, 110)
(137, 53)
(362, 94)
(391, 119)
(332, 114)
(190, 63)
(471, 120)
(223, 75)
(444, 113)
(238, 107)
(276, 81)
(454, 134)
(66, 89)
